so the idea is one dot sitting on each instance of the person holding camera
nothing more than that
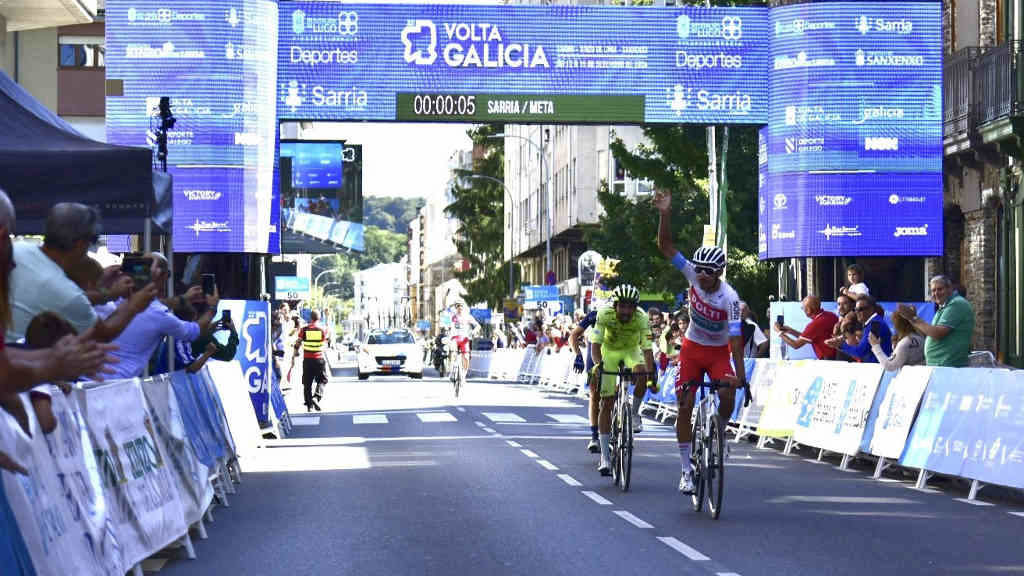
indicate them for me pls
(867, 311)
(147, 330)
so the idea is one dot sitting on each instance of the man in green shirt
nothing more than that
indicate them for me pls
(948, 337)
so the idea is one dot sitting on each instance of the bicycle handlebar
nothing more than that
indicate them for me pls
(714, 385)
(599, 369)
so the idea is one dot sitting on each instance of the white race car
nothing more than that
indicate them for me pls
(390, 352)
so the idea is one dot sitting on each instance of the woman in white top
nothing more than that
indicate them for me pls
(909, 351)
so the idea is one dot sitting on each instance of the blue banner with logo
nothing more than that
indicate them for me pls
(253, 321)
(540, 293)
(971, 424)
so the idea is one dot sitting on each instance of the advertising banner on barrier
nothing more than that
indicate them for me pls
(896, 408)
(205, 442)
(253, 321)
(58, 536)
(242, 426)
(971, 426)
(192, 476)
(144, 503)
(834, 405)
(782, 400)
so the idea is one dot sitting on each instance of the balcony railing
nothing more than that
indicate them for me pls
(980, 86)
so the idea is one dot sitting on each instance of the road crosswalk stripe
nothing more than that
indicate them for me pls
(503, 417)
(370, 419)
(436, 417)
(569, 418)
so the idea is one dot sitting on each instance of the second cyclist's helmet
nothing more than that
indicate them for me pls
(710, 256)
(627, 293)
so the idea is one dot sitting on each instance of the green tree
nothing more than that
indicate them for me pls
(478, 208)
(675, 158)
(391, 213)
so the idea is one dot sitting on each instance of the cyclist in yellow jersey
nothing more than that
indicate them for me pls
(620, 335)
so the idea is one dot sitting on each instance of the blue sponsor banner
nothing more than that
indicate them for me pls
(362, 61)
(481, 315)
(291, 288)
(197, 429)
(253, 321)
(794, 317)
(876, 406)
(971, 424)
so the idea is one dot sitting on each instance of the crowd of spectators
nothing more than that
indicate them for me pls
(67, 319)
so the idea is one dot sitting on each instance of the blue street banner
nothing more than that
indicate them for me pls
(971, 424)
(423, 325)
(468, 63)
(291, 288)
(540, 293)
(481, 315)
(253, 321)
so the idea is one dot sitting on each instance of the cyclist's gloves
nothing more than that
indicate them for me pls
(578, 365)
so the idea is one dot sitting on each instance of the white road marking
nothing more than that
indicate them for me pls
(503, 417)
(460, 408)
(529, 453)
(752, 465)
(815, 461)
(305, 420)
(632, 519)
(572, 481)
(683, 549)
(973, 502)
(370, 419)
(727, 574)
(1017, 514)
(569, 418)
(842, 500)
(436, 417)
(547, 465)
(489, 430)
(479, 423)
(597, 498)
(514, 444)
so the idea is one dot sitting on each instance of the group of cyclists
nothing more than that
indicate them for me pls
(711, 345)
(618, 335)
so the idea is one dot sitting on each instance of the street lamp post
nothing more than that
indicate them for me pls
(544, 168)
(328, 271)
(512, 212)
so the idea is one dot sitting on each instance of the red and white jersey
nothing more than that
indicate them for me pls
(463, 325)
(714, 317)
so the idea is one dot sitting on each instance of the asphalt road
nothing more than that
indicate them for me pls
(395, 477)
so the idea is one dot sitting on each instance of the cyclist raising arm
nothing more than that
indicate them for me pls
(715, 328)
(464, 326)
(619, 335)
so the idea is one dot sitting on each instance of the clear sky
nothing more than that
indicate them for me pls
(406, 160)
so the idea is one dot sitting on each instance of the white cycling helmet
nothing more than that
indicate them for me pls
(709, 256)
(626, 292)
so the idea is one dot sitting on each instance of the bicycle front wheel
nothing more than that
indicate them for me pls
(625, 448)
(615, 454)
(714, 458)
(697, 459)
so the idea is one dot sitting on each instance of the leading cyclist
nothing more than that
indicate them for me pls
(715, 327)
(463, 328)
(619, 335)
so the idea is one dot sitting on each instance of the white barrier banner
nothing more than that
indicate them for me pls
(47, 516)
(896, 411)
(229, 383)
(834, 405)
(761, 383)
(191, 475)
(139, 485)
(782, 400)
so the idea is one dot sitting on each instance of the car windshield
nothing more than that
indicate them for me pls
(401, 337)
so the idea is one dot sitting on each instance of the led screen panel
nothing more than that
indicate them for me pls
(576, 64)
(321, 188)
(216, 61)
(851, 159)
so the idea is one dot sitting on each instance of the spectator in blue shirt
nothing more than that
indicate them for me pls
(872, 317)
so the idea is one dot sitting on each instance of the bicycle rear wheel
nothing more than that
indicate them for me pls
(625, 447)
(697, 458)
(458, 378)
(714, 458)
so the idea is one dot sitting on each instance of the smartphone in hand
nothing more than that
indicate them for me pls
(139, 269)
(209, 284)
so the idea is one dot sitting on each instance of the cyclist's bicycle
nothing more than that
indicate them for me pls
(458, 376)
(707, 453)
(621, 441)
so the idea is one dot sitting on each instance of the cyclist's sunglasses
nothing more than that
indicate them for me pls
(705, 270)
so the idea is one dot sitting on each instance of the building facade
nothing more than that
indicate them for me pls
(381, 297)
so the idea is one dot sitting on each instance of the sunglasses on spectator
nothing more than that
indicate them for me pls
(705, 270)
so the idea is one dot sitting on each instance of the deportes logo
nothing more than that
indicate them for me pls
(346, 24)
(730, 28)
(162, 16)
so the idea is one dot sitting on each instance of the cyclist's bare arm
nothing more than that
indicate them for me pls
(595, 353)
(736, 344)
(574, 339)
(649, 361)
(663, 202)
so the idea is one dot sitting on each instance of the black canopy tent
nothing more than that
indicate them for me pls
(43, 161)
